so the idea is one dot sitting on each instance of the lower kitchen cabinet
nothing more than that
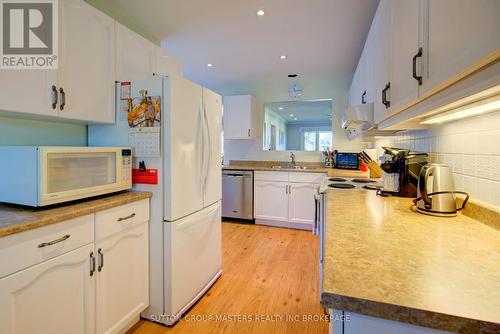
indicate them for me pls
(122, 278)
(286, 199)
(83, 276)
(271, 200)
(55, 296)
(301, 210)
(343, 322)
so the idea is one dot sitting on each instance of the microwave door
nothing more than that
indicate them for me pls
(68, 175)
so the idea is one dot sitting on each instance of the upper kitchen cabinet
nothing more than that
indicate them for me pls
(459, 35)
(166, 64)
(135, 55)
(239, 117)
(86, 79)
(405, 27)
(381, 59)
(82, 88)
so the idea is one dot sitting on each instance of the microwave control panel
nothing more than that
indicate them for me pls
(127, 165)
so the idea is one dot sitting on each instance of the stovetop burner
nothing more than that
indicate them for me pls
(363, 180)
(372, 187)
(337, 179)
(342, 185)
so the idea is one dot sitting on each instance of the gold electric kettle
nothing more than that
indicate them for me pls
(436, 191)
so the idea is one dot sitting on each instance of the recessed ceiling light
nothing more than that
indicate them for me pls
(210, 65)
(280, 108)
(260, 12)
(283, 57)
(295, 119)
(291, 115)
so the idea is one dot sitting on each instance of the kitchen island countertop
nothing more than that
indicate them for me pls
(382, 259)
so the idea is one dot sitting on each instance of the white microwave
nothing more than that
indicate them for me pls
(45, 175)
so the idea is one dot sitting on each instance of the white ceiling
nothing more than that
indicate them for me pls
(319, 111)
(318, 36)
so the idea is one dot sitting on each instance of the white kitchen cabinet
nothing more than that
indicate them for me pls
(135, 55)
(87, 275)
(82, 88)
(166, 63)
(87, 65)
(271, 200)
(15, 85)
(55, 296)
(240, 117)
(302, 208)
(458, 35)
(405, 52)
(286, 199)
(354, 323)
(381, 59)
(122, 278)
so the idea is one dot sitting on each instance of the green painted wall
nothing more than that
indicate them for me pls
(17, 131)
(29, 132)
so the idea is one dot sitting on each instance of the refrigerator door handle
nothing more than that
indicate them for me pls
(202, 162)
(209, 144)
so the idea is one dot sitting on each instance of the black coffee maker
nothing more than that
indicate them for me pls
(402, 170)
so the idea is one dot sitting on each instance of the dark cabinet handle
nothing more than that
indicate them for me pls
(92, 264)
(386, 102)
(101, 260)
(248, 132)
(127, 217)
(63, 98)
(363, 97)
(54, 97)
(53, 242)
(415, 76)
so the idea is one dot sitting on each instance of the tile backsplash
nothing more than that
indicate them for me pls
(470, 146)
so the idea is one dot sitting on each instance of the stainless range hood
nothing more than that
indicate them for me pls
(357, 119)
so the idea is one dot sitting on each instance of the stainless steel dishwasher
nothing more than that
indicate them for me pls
(237, 194)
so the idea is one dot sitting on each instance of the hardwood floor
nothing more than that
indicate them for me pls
(267, 273)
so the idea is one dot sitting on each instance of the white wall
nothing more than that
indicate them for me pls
(470, 146)
(316, 87)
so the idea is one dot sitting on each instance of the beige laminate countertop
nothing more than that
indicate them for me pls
(332, 172)
(384, 260)
(16, 219)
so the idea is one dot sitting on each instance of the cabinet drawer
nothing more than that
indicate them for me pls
(271, 176)
(21, 250)
(306, 177)
(118, 219)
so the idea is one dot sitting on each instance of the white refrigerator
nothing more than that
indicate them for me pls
(185, 227)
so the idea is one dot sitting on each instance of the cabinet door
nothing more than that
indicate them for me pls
(459, 33)
(381, 57)
(302, 207)
(17, 84)
(135, 55)
(122, 278)
(87, 62)
(405, 44)
(239, 117)
(166, 64)
(55, 296)
(271, 200)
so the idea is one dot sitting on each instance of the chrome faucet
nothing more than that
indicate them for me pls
(292, 157)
